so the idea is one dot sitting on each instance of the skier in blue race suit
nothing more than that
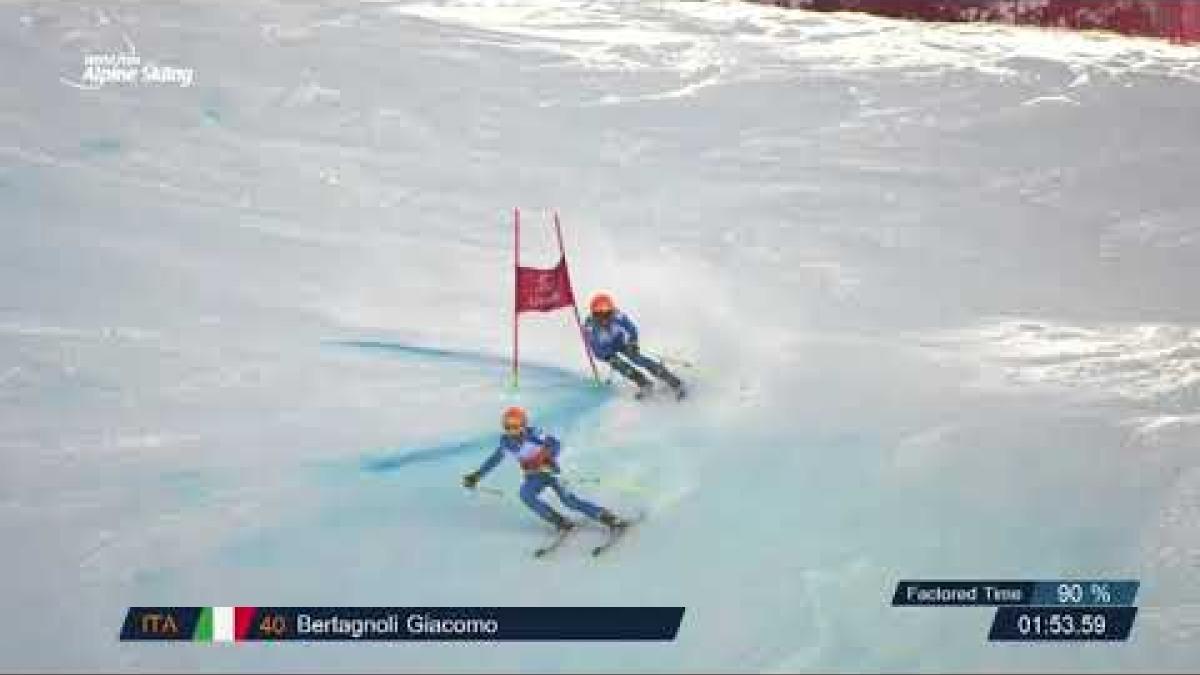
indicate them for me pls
(538, 456)
(613, 338)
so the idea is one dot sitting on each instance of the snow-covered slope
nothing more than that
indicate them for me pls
(938, 283)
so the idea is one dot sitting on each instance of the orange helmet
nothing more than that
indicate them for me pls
(602, 302)
(514, 416)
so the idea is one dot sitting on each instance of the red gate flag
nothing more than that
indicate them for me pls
(540, 290)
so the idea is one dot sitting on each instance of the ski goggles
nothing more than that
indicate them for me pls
(513, 427)
(603, 315)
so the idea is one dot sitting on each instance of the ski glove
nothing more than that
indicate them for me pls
(471, 480)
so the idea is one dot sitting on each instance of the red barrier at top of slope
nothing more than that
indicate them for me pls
(1176, 20)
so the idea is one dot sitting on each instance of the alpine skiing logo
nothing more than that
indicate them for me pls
(126, 67)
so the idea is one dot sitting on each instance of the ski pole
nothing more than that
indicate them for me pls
(484, 489)
(670, 359)
(625, 486)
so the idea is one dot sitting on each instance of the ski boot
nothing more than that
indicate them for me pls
(660, 371)
(676, 386)
(562, 524)
(612, 520)
(644, 385)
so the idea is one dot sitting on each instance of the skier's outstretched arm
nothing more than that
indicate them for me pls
(472, 479)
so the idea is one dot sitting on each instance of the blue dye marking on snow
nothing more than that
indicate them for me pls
(101, 146)
(189, 487)
(541, 371)
(418, 350)
(392, 460)
(553, 418)
(577, 397)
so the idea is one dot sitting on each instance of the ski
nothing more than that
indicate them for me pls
(559, 537)
(615, 534)
(647, 394)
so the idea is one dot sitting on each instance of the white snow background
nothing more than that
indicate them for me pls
(938, 283)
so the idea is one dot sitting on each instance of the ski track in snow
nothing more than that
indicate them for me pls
(1143, 363)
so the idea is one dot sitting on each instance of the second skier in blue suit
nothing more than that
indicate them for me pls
(613, 338)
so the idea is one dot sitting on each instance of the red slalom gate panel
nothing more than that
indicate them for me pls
(1176, 20)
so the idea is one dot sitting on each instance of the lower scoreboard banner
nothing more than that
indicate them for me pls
(474, 624)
